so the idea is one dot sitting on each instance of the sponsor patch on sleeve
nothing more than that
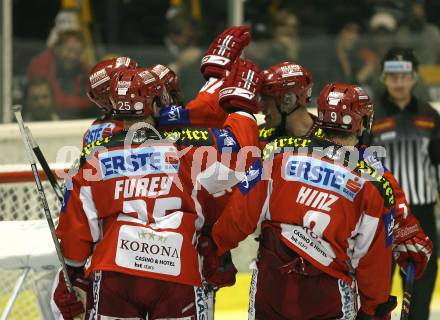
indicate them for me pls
(99, 132)
(382, 125)
(253, 175)
(174, 115)
(66, 197)
(388, 220)
(426, 123)
(226, 139)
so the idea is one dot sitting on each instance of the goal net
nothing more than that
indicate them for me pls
(19, 200)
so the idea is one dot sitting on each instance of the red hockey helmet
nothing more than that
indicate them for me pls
(286, 77)
(167, 76)
(134, 92)
(344, 107)
(98, 83)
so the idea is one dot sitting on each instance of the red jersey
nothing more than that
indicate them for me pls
(405, 223)
(334, 217)
(138, 209)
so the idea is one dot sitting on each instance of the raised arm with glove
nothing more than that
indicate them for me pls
(241, 88)
(224, 50)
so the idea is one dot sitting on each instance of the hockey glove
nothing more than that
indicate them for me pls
(224, 275)
(363, 316)
(383, 311)
(73, 305)
(208, 250)
(218, 271)
(411, 243)
(223, 51)
(241, 88)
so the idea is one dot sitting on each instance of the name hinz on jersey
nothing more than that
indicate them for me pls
(323, 175)
(138, 161)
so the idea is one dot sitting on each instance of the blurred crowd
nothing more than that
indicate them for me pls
(337, 40)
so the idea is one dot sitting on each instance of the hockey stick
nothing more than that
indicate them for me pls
(43, 199)
(42, 160)
(407, 293)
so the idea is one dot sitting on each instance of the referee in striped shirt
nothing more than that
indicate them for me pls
(409, 129)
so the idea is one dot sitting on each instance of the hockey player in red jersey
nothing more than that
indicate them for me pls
(287, 86)
(134, 225)
(287, 89)
(326, 226)
(204, 110)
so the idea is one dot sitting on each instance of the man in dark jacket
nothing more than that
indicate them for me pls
(409, 129)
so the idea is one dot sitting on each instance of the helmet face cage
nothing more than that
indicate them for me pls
(288, 101)
(368, 122)
(135, 92)
(344, 107)
(98, 84)
(288, 77)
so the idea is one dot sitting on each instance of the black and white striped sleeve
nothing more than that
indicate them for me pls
(434, 150)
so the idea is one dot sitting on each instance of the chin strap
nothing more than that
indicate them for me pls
(282, 127)
(364, 138)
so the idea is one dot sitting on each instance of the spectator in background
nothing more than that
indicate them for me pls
(63, 67)
(419, 34)
(382, 29)
(182, 43)
(351, 62)
(409, 129)
(39, 98)
(283, 45)
(285, 34)
(345, 61)
(381, 37)
(65, 20)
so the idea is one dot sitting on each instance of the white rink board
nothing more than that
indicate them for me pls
(27, 244)
(53, 135)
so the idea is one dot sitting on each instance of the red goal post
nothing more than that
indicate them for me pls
(18, 192)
